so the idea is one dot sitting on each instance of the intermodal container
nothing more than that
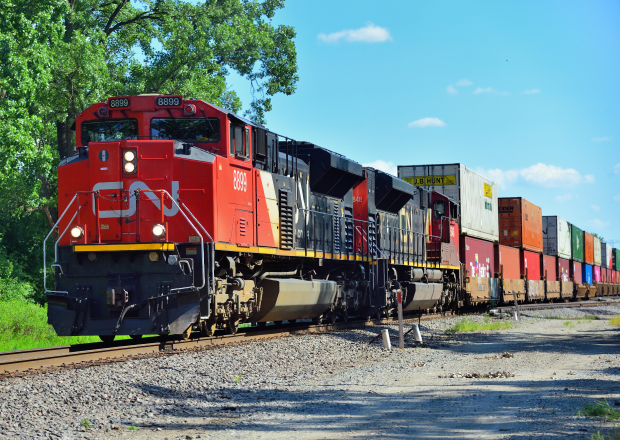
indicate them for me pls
(476, 195)
(478, 257)
(606, 255)
(520, 224)
(507, 260)
(530, 265)
(550, 268)
(576, 238)
(563, 269)
(596, 274)
(598, 257)
(556, 237)
(576, 272)
(616, 259)
(613, 277)
(586, 274)
(604, 276)
(588, 248)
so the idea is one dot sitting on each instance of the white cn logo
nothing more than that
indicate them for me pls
(240, 181)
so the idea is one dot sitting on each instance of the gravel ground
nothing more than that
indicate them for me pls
(526, 382)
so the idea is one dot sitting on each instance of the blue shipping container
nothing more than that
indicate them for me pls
(586, 274)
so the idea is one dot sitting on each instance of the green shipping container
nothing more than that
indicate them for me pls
(616, 258)
(577, 243)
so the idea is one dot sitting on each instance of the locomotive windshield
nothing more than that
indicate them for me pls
(186, 129)
(101, 131)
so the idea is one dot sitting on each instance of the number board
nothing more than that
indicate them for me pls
(168, 101)
(119, 102)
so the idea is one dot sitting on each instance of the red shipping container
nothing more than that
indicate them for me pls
(603, 275)
(520, 224)
(563, 269)
(588, 248)
(478, 257)
(576, 272)
(509, 258)
(531, 262)
(551, 266)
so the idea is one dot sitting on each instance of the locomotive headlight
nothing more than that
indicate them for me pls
(130, 161)
(130, 167)
(159, 230)
(77, 232)
(129, 156)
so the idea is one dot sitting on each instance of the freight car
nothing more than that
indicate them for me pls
(178, 215)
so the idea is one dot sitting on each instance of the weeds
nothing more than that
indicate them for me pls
(569, 324)
(133, 428)
(600, 408)
(85, 423)
(615, 321)
(238, 378)
(598, 436)
(467, 325)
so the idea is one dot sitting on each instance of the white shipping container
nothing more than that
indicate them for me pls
(606, 256)
(556, 237)
(476, 195)
(597, 251)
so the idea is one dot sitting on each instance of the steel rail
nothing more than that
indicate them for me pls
(40, 358)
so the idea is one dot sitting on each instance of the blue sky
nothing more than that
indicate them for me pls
(527, 93)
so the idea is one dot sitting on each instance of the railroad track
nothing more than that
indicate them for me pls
(20, 361)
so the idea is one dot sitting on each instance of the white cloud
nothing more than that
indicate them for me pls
(464, 83)
(532, 91)
(368, 34)
(602, 139)
(549, 176)
(617, 168)
(564, 198)
(379, 164)
(481, 90)
(617, 197)
(427, 122)
(598, 224)
(595, 207)
(451, 90)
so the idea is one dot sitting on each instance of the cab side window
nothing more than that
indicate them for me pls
(439, 209)
(239, 139)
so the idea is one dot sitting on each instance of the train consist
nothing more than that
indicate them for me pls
(177, 215)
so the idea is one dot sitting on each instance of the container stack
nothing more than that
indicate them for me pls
(557, 245)
(520, 224)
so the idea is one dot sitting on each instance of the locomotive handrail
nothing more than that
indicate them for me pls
(55, 252)
(202, 243)
(313, 211)
(212, 247)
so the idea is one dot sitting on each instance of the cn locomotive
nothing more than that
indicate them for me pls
(178, 215)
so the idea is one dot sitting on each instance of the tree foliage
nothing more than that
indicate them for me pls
(57, 57)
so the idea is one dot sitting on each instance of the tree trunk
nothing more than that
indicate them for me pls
(50, 212)
(66, 145)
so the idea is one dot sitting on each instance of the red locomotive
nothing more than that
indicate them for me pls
(178, 215)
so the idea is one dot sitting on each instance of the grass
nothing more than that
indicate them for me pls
(569, 324)
(598, 436)
(23, 325)
(600, 408)
(85, 423)
(133, 428)
(615, 321)
(468, 325)
(582, 318)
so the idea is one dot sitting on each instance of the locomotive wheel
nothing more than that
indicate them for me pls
(187, 333)
(232, 326)
(318, 320)
(207, 328)
(135, 337)
(107, 338)
(332, 317)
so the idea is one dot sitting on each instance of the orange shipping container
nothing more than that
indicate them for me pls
(520, 224)
(588, 248)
